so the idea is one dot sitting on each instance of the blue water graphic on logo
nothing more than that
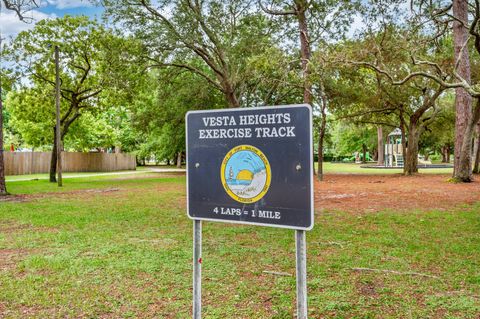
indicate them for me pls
(242, 167)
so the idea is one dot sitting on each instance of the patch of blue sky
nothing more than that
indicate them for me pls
(10, 25)
(88, 11)
(61, 8)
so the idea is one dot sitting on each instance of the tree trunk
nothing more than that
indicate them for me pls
(465, 169)
(364, 153)
(476, 165)
(443, 151)
(232, 99)
(404, 139)
(321, 133)
(229, 92)
(380, 146)
(410, 163)
(3, 185)
(305, 52)
(463, 101)
(476, 152)
(321, 137)
(320, 159)
(179, 160)
(53, 160)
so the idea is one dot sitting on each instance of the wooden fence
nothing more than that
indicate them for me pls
(20, 163)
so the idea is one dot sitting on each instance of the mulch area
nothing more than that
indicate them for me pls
(372, 193)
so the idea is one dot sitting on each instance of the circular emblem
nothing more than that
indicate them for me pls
(245, 174)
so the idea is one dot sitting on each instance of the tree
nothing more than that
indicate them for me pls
(3, 184)
(86, 68)
(380, 147)
(349, 138)
(159, 112)
(219, 34)
(414, 108)
(399, 52)
(21, 7)
(439, 135)
(274, 78)
(437, 20)
(32, 117)
(298, 9)
(463, 101)
(325, 75)
(326, 20)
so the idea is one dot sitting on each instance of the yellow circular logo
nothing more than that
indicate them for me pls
(245, 174)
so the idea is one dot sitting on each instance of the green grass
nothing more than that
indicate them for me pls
(329, 168)
(44, 176)
(351, 168)
(127, 254)
(90, 181)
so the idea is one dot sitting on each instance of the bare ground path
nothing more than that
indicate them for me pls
(354, 193)
(370, 193)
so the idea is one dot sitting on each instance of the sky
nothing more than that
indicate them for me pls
(10, 25)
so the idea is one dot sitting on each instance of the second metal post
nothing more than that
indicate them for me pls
(58, 128)
(197, 269)
(301, 258)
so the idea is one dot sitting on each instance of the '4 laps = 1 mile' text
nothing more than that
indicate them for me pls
(253, 213)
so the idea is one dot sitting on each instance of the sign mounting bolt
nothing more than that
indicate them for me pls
(197, 165)
(298, 167)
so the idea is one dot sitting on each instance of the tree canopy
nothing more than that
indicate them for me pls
(129, 83)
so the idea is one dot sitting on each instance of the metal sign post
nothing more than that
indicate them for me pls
(301, 260)
(197, 269)
(58, 128)
(251, 166)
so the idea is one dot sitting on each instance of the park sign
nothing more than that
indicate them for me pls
(251, 165)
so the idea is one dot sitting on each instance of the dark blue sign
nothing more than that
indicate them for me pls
(251, 165)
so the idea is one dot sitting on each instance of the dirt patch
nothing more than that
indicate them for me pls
(112, 191)
(147, 175)
(13, 198)
(371, 193)
(105, 190)
(9, 258)
(12, 227)
(349, 193)
(368, 289)
(75, 193)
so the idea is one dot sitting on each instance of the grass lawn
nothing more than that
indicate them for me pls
(351, 168)
(121, 247)
(32, 177)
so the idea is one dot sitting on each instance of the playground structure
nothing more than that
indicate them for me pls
(358, 157)
(394, 152)
(393, 149)
(394, 155)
